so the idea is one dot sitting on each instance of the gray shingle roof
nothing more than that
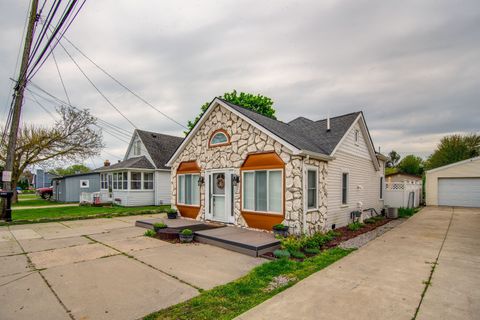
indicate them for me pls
(160, 146)
(303, 133)
(136, 163)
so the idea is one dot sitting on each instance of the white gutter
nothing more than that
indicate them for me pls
(316, 155)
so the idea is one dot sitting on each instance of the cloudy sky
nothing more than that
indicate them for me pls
(413, 67)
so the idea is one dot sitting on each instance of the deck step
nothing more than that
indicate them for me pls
(249, 242)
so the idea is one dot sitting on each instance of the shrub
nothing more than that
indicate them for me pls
(379, 218)
(405, 212)
(149, 233)
(186, 232)
(298, 255)
(370, 220)
(171, 211)
(281, 254)
(312, 250)
(159, 225)
(354, 226)
(280, 226)
(291, 243)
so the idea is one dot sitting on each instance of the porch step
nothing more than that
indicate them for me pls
(249, 242)
(178, 224)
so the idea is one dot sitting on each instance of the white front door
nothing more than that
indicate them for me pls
(219, 195)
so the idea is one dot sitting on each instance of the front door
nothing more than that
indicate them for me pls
(219, 192)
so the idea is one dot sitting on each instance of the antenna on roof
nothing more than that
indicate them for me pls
(328, 122)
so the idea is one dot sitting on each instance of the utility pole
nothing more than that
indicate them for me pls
(17, 109)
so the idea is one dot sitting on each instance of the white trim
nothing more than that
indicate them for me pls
(453, 164)
(347, 189)
(315, 155)
(87, 184)
(309, 167)
(212, 106)
(193, 184)
(366, 133)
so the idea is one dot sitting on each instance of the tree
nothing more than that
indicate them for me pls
(72, 138)
(394, 157)
(258, 103)
(454, 148)
(411, 164)
(73, 169)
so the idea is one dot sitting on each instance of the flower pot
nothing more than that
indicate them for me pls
(281, 232)
(172, 215)
(185, 238)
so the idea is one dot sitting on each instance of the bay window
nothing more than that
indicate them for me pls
(262, 190)
(188, 191)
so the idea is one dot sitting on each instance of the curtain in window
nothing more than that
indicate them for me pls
(181, 189)
(195, 189)
(275, 191)
(248, 191)
(260, 190)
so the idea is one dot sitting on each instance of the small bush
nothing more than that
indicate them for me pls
(405, 212)
(280, 227)
(379, 218)
(291, 243)
(312, 250)
(354, 226)
(186, 232)
(159, 225)
(149, 233)
(281, 254)
(370, 220)
(298, 255)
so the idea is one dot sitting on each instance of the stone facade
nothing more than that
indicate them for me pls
(246, 139)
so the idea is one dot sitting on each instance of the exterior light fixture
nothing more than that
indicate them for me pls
(235, 179)
(201, 180)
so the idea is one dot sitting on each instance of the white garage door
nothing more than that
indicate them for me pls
(463, 192)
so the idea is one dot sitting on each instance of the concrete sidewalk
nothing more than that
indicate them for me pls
(386, 278)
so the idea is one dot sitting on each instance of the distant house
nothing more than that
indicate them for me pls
(43, 179)
(240, 167)
(403, 177)
(142, 178)
(69, 187)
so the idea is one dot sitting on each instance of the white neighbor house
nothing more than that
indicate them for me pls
(142, 178)
(240, 167)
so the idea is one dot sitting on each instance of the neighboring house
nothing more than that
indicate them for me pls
(240, 167)
(43, 179)
(403, 177)
(456, 184)
(69, 187)
(142, 178)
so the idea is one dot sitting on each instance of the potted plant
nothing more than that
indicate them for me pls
(280, 229)
(172, 214)
(186, 235)
(157, 226)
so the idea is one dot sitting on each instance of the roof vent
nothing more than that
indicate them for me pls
(328, 123)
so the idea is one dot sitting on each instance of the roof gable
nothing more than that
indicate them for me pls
(132, 163)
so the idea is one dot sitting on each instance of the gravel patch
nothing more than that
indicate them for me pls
(364, 238)
(279, 281)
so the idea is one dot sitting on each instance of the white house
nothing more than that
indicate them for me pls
(240, 167)
(142, 178)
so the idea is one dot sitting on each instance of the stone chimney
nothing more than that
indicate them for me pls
(106, 163)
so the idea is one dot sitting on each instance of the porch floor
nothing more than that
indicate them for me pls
(249, 242)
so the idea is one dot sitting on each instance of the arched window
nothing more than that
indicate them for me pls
(219, 138)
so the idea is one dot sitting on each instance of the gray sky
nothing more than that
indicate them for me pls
(413, 67)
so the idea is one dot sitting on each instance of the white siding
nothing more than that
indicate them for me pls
(135, 198)
(163, 187)
(363, 179)
(131, 150)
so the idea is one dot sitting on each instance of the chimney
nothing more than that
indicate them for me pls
(106, 163)
(328, 123)
(118, 161)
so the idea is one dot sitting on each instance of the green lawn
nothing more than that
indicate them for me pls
(81, 212)
(28, 196)
(234, 298)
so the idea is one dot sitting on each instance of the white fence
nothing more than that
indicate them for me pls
(95, 197)
(403, 194)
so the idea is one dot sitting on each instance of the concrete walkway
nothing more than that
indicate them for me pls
(386, 278)
(104, 269)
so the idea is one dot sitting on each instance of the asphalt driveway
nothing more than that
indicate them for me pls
(386, 278)
(104, 269)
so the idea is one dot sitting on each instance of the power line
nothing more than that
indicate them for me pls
(61, 78)
(122, 85)
(96, 88)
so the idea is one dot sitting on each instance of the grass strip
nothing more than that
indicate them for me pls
(234, 298)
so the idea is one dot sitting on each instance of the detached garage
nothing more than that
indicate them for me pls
(456, 184)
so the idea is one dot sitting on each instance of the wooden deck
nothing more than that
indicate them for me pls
(249, 242)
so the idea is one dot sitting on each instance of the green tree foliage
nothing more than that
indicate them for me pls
(394, 157)
(258, 103)
(454, 148)
(411, 164)
(73, 169)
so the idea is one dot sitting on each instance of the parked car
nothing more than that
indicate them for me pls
(45, 193)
